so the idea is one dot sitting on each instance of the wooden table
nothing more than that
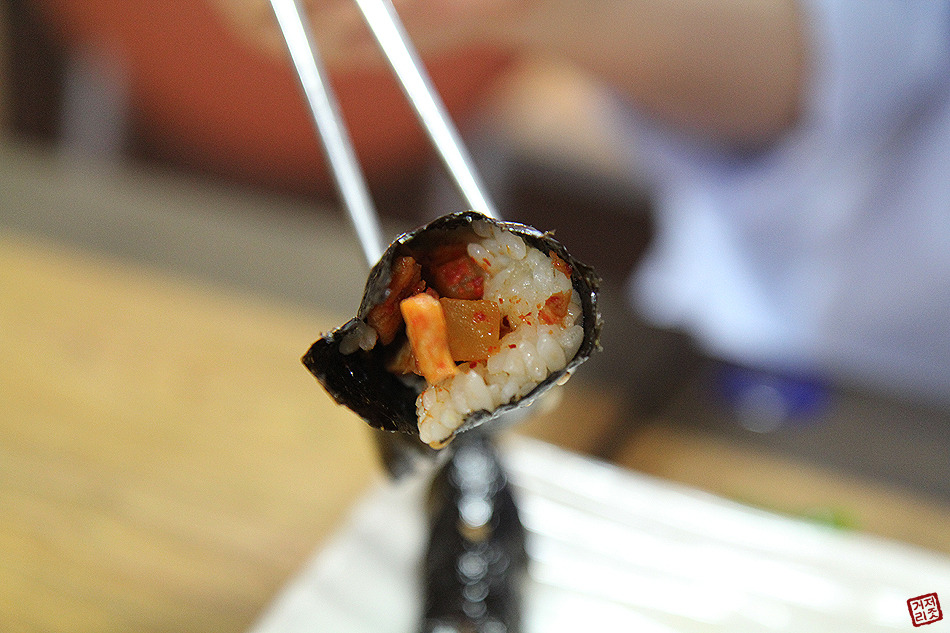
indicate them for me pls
(165, 461)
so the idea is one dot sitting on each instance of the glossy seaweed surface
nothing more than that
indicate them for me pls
(359, 380)
(476, 560)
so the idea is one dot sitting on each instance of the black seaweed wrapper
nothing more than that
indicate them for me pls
(360, 381)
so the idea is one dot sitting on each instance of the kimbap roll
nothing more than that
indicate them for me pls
(461, 320)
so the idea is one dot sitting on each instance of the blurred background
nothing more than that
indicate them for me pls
(171, 244)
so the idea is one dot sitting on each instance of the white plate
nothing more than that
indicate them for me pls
(613, 550)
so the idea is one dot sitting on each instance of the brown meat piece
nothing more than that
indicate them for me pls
(454, 274)
(406, 281)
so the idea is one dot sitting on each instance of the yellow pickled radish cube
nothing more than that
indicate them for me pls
(473, 327)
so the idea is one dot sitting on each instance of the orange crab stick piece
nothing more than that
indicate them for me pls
(428, 337)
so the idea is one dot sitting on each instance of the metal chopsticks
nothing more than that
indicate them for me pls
(386, 27)
(395, 451)
(332, 131)
(402, 57)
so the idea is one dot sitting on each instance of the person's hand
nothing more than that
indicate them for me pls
(730, 70)
(344, 40)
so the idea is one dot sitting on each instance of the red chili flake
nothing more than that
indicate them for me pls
(555, 308)
(560, 264)
(512, 346)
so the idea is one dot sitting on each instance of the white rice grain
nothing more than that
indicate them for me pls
(520, 279)
(482, 228)
(550, 350)
(513, 245)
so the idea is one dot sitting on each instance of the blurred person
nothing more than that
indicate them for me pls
(202, 91)
(798, 151)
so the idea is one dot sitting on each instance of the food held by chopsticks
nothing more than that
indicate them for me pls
(461, 320)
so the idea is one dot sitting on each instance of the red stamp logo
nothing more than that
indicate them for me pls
(924, 609)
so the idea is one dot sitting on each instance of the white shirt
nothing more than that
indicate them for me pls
(830, 250)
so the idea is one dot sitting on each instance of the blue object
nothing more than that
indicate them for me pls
(765, 401)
